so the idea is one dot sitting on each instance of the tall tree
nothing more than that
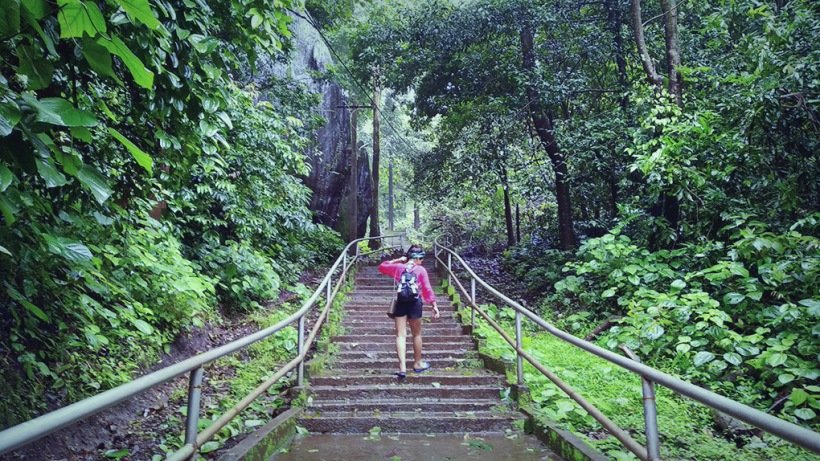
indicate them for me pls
(374, 209)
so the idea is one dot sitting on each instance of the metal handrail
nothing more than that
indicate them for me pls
(794, 433)
(34, 429)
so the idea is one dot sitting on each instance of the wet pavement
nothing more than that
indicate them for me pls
(412, 447)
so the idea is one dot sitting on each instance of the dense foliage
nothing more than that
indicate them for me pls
(692, 189)
(144, 181)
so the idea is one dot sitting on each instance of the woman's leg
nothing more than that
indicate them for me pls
(401, 341)
(415, 329)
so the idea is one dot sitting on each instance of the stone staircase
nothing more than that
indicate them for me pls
(360, 391)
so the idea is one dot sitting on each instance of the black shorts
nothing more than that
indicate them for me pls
(412, 310)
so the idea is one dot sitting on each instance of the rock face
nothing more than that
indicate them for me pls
(330, 155)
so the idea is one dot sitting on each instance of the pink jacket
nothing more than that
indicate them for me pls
(396, 269)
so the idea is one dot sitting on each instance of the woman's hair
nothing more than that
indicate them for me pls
(414, 251)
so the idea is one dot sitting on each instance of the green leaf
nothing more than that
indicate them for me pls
(38, 9)
(9, 116)
(5, 251)
(10, 18)
(71, 250)
(683, 348)
(733, 298)
(77, 18)
(82, 133)
(48, 172)
(608, 293)
(733, 358)
(142, 76)
(117, 454)
(58, 111)
(143, 326)
(35, 67)
(776, 359)
(208, 447)
(805, 413)
(703, 357)
(8, 209)
(28, 305)
(6, 177)
(144, 160)
(785, 378)
(99, 58)
(653, 331)
(141, 10)
(679, 284)
(798, 396)
(94, 181)
(813, 305)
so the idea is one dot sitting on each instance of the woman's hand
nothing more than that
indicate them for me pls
(436, 313)
(403, 259)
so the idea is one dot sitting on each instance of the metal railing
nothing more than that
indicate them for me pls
(29, 431)
(798, 435)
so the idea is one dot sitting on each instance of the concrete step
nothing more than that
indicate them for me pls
(466, 343)
(406, 405)
(409, 422)
(381, 315)
(392, 338)
(433, 328)
(429, 355)
(385, 362)
(406, 390)
(426, 378)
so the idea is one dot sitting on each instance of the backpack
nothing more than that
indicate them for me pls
(407, 290)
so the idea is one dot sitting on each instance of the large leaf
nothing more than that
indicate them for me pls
(7, 209)
(142, 76)
(141, 10)
(71, 250)
(143, 159)
(38, 9)
(58, 111)
(98, 58)
(94, 181)
(9, 116)
(48, 172)
(143, 326)
(10, 18)
(6, 177)
(703, 357)
(4, 251)
(76, 18)
(36, 68)
(28, 305)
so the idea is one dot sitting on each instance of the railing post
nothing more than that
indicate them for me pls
(449, 268)
(475, 303)
(519, 361)
(300, 342)
(344, 266)
(194, 394)
(650, 412)
(329, 287)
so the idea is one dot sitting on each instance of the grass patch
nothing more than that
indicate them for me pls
(686, 427)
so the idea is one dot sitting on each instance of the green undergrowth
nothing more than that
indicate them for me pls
(686, 427)
(235, 376)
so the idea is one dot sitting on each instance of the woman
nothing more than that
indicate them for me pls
(411, 267)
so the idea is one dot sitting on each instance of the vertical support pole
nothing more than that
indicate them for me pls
(449, 268)
(300, 342)
(475, 303)
(650, 412)
(194, 394)
(329, 287)
(519, 362)
(344, 266)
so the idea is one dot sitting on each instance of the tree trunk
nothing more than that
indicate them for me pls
(614, 18)
(542, 122)
(508, 217)
(374, 210)
(517, 223)
(670, 29)
(354, 178)
(646, 60)
(390, 215)
(416, 217)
